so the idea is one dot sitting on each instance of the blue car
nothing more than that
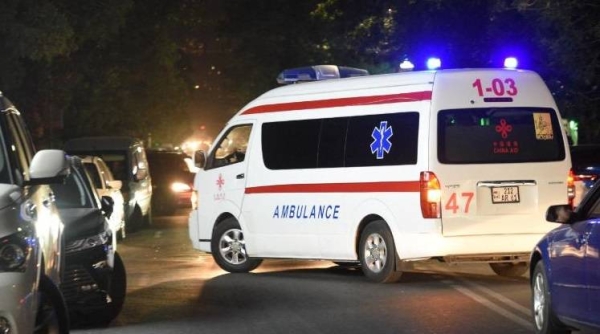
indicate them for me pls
(565, 269)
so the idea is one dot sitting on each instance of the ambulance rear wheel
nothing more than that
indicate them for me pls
(228, 248)
(510, 269)
(378, 253)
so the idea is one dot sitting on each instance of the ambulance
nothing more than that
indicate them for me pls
(457, 165)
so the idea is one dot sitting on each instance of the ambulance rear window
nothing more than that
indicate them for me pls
(499, 135)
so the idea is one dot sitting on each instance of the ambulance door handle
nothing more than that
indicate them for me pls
(239, 176)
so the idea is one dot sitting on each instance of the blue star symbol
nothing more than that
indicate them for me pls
(381, 139)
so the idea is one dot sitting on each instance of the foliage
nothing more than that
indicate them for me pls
(141, 67)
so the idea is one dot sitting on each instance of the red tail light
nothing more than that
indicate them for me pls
(431, 195)
(571, 178)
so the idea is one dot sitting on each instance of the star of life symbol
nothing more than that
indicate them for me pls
(504, 128)
(220, 182)
(381, 139)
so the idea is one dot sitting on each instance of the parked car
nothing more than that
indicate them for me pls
(106, 185)
(586, 169)
(172, 181)
(30, 231)
(94, 279)
(126, 158)
(565, 269)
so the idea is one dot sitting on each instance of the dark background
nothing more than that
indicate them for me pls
(170, 70)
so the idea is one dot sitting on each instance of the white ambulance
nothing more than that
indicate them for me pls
(383, 170)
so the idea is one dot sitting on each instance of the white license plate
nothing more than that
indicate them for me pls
(505, 195)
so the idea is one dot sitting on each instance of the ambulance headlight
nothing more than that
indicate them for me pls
(511, 62)
(434, 63)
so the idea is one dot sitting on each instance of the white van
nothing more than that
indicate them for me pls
(457, 165)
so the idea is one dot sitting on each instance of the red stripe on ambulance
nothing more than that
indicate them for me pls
(341, 102)
(401, 186)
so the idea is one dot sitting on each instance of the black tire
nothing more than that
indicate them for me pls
(544, 319)
(229, 249)
(52, 315)
(147, 219)
(515, 269)
(377, 253)
(135, 221)
(116, 291)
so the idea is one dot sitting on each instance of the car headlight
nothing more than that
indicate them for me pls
(14, 252)
(180, 187)
(89, 242)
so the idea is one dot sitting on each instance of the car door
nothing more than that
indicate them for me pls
(592, 271)
(223, 180)
(567, 251)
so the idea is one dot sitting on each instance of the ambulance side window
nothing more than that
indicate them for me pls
(291, 144)
(232, 147)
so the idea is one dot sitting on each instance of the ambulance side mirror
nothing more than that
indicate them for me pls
(199, 159)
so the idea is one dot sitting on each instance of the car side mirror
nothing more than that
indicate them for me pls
(48, 167)
(108, 204)
(562, 214)
(199, 159)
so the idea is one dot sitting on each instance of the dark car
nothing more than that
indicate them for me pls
(94, 279)
(565, 269)
(171, 179)
(586, 169)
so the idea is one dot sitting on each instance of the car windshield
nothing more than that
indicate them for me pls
(73, 193)
(117, 163)
(93, 173)
(166, 163)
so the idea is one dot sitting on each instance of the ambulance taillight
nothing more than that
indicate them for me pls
(571, 187)
(431, 195)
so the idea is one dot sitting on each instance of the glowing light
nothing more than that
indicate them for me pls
(406, 65)
(511, 62)
(434, 63)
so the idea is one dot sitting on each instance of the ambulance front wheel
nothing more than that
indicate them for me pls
(228, 248)
(377, 253)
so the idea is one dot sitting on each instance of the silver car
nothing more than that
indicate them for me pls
(30, 231)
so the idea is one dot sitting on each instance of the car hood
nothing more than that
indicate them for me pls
(11, 197)
(82, 222)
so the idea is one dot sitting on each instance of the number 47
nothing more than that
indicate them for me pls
(452, 203)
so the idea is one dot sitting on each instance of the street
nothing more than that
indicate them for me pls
(175, 289)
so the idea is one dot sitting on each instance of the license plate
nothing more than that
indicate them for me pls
(505, 195)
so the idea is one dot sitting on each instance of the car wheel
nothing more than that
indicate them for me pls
(135, 221)
(52, 315)
(229, 248)
(544, 319)
(510, 269)
(116, 295)
(147, 219)
(377, 253)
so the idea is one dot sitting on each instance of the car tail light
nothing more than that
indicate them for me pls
(431, 195)
(571, 178)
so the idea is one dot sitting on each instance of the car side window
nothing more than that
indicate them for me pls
(231, 148)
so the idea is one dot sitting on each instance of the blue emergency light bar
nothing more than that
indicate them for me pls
(317, 73)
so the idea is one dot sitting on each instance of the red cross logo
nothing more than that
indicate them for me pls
(220, 182)
(503, 128)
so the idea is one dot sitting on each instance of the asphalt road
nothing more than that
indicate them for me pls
(175, 289)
